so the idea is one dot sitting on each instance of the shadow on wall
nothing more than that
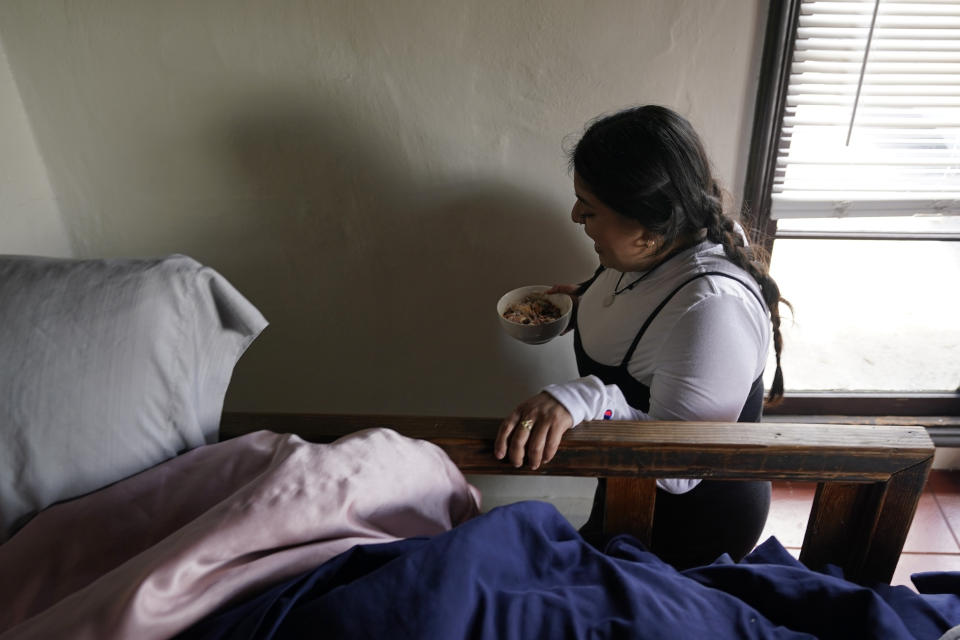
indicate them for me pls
(379, 285)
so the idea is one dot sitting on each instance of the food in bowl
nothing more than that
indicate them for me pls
(534, 309)
(533, 322)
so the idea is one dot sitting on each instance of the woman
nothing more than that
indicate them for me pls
(676, 324)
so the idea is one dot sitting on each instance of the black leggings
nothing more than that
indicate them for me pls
(695, 528)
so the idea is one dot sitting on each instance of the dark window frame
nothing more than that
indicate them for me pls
(778, 47)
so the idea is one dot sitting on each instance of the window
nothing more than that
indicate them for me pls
(854, 183)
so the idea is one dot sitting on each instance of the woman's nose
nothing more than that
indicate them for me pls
(575, 214)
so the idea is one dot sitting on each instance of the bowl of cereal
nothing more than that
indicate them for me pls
(531, 315)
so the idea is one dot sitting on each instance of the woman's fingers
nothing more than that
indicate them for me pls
(512, 436)
(569, 289)
(520, 438)
(533, 431)
(536, 442)
(545, 439)
(503, 435)
(553, 442)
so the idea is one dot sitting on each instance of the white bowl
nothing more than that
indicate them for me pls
(540, 333)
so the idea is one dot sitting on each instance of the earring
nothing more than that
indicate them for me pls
(651, 243)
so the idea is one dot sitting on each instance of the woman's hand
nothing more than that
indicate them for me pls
(533, 429)
(569, 289)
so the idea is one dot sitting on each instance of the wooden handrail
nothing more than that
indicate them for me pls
(870, 477)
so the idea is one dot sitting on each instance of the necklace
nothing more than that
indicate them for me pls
(611, 297)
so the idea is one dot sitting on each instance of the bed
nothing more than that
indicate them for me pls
(133, 507)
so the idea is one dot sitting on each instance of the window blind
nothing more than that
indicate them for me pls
(871, 124)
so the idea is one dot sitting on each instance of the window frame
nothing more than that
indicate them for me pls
(776, 61)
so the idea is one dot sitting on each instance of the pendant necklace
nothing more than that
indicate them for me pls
(607, 301)
(611, 297)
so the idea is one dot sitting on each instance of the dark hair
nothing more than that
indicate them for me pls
(648, 163)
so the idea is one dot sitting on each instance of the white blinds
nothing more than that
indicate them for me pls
(893, 69)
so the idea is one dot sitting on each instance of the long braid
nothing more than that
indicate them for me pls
(752, 259)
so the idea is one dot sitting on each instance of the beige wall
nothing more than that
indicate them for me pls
(30, 221)
(371, 174)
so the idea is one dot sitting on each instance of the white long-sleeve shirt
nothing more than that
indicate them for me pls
(699, 356)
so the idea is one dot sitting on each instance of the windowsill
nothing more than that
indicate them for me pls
(848, 403)
(939, 413)
(943, 430)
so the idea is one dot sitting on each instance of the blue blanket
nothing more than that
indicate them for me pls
(522, 571)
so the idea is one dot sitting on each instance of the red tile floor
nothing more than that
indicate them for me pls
(933, 543)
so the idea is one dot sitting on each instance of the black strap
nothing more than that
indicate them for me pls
(663, 303)
(583, 286)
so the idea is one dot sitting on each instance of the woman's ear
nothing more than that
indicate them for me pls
(644, 240)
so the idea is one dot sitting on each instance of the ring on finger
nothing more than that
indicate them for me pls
(527, 424)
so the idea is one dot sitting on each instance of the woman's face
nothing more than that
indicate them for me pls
(621, 242)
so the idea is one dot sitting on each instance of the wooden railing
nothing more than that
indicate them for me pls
(870, 477)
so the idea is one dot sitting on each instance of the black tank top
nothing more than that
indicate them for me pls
(636, 393)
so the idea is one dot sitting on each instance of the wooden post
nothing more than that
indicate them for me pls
(862, 527)
(628, 507)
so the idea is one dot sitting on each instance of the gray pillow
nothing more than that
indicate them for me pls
(108, 367)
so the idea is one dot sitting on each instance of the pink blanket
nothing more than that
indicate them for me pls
(150, 555)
